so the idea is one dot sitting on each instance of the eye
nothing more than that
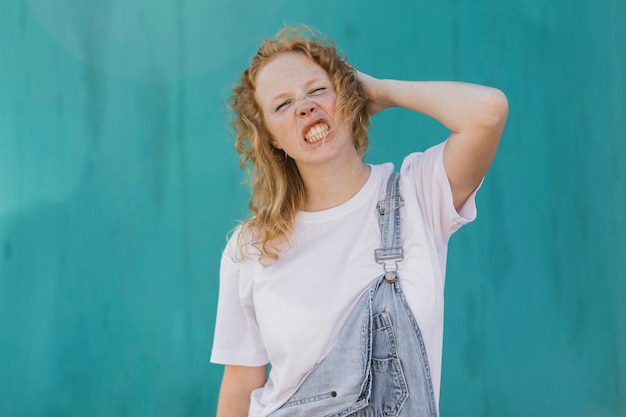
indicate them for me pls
(282, 105)
(318, 90)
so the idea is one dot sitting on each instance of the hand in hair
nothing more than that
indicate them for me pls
(372, 87)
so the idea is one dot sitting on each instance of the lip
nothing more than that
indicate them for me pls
(309, 125)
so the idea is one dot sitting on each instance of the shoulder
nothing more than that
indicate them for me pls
(239, 246)
(379, 177)
(424, 184)
(418, 169)
(237, 268)
(424, 172)
(430, 159)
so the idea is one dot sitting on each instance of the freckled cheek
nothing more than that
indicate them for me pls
(329, 105)
(281, 131)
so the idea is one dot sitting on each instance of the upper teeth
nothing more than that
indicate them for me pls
(317, 132)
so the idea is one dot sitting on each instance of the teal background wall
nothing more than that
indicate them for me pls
(118, 185)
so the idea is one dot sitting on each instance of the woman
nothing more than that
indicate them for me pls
(336, 280)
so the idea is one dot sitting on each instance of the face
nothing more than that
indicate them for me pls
(298, 98)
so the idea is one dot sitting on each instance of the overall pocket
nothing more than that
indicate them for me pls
(389, 389)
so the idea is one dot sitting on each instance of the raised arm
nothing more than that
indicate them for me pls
(475, 114)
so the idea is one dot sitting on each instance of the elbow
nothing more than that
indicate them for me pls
(495, 108)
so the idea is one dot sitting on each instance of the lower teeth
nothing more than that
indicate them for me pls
(316, 138)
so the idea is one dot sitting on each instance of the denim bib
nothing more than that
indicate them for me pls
(378, 366)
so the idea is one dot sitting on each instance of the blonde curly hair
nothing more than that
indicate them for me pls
(277, 189)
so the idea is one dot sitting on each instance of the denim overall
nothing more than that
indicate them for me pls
(378, 366)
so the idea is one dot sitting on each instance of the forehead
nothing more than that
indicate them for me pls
(286, 72)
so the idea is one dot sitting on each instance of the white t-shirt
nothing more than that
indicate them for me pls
(290, 313)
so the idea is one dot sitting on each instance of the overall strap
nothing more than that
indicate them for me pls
(389, 222)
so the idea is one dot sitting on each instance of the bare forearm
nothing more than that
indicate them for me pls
(237, 385)
(475, 114)
(230, 405)
(458, 106)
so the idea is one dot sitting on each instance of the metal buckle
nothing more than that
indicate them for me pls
(391, 277)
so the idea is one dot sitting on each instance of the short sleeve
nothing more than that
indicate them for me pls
(237, 338)
(426, 180)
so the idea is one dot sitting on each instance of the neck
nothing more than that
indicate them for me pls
(331, 185)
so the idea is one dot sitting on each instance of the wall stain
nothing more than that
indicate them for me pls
(23, 13)
(8, 250)
(475, 347)
(456, 38)
(90, 22)
(159, 105)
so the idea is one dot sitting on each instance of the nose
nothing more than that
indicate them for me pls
(306, 107)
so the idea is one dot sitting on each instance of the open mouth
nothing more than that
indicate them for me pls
(317, 132)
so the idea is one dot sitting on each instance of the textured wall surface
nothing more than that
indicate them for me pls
(118, 185)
